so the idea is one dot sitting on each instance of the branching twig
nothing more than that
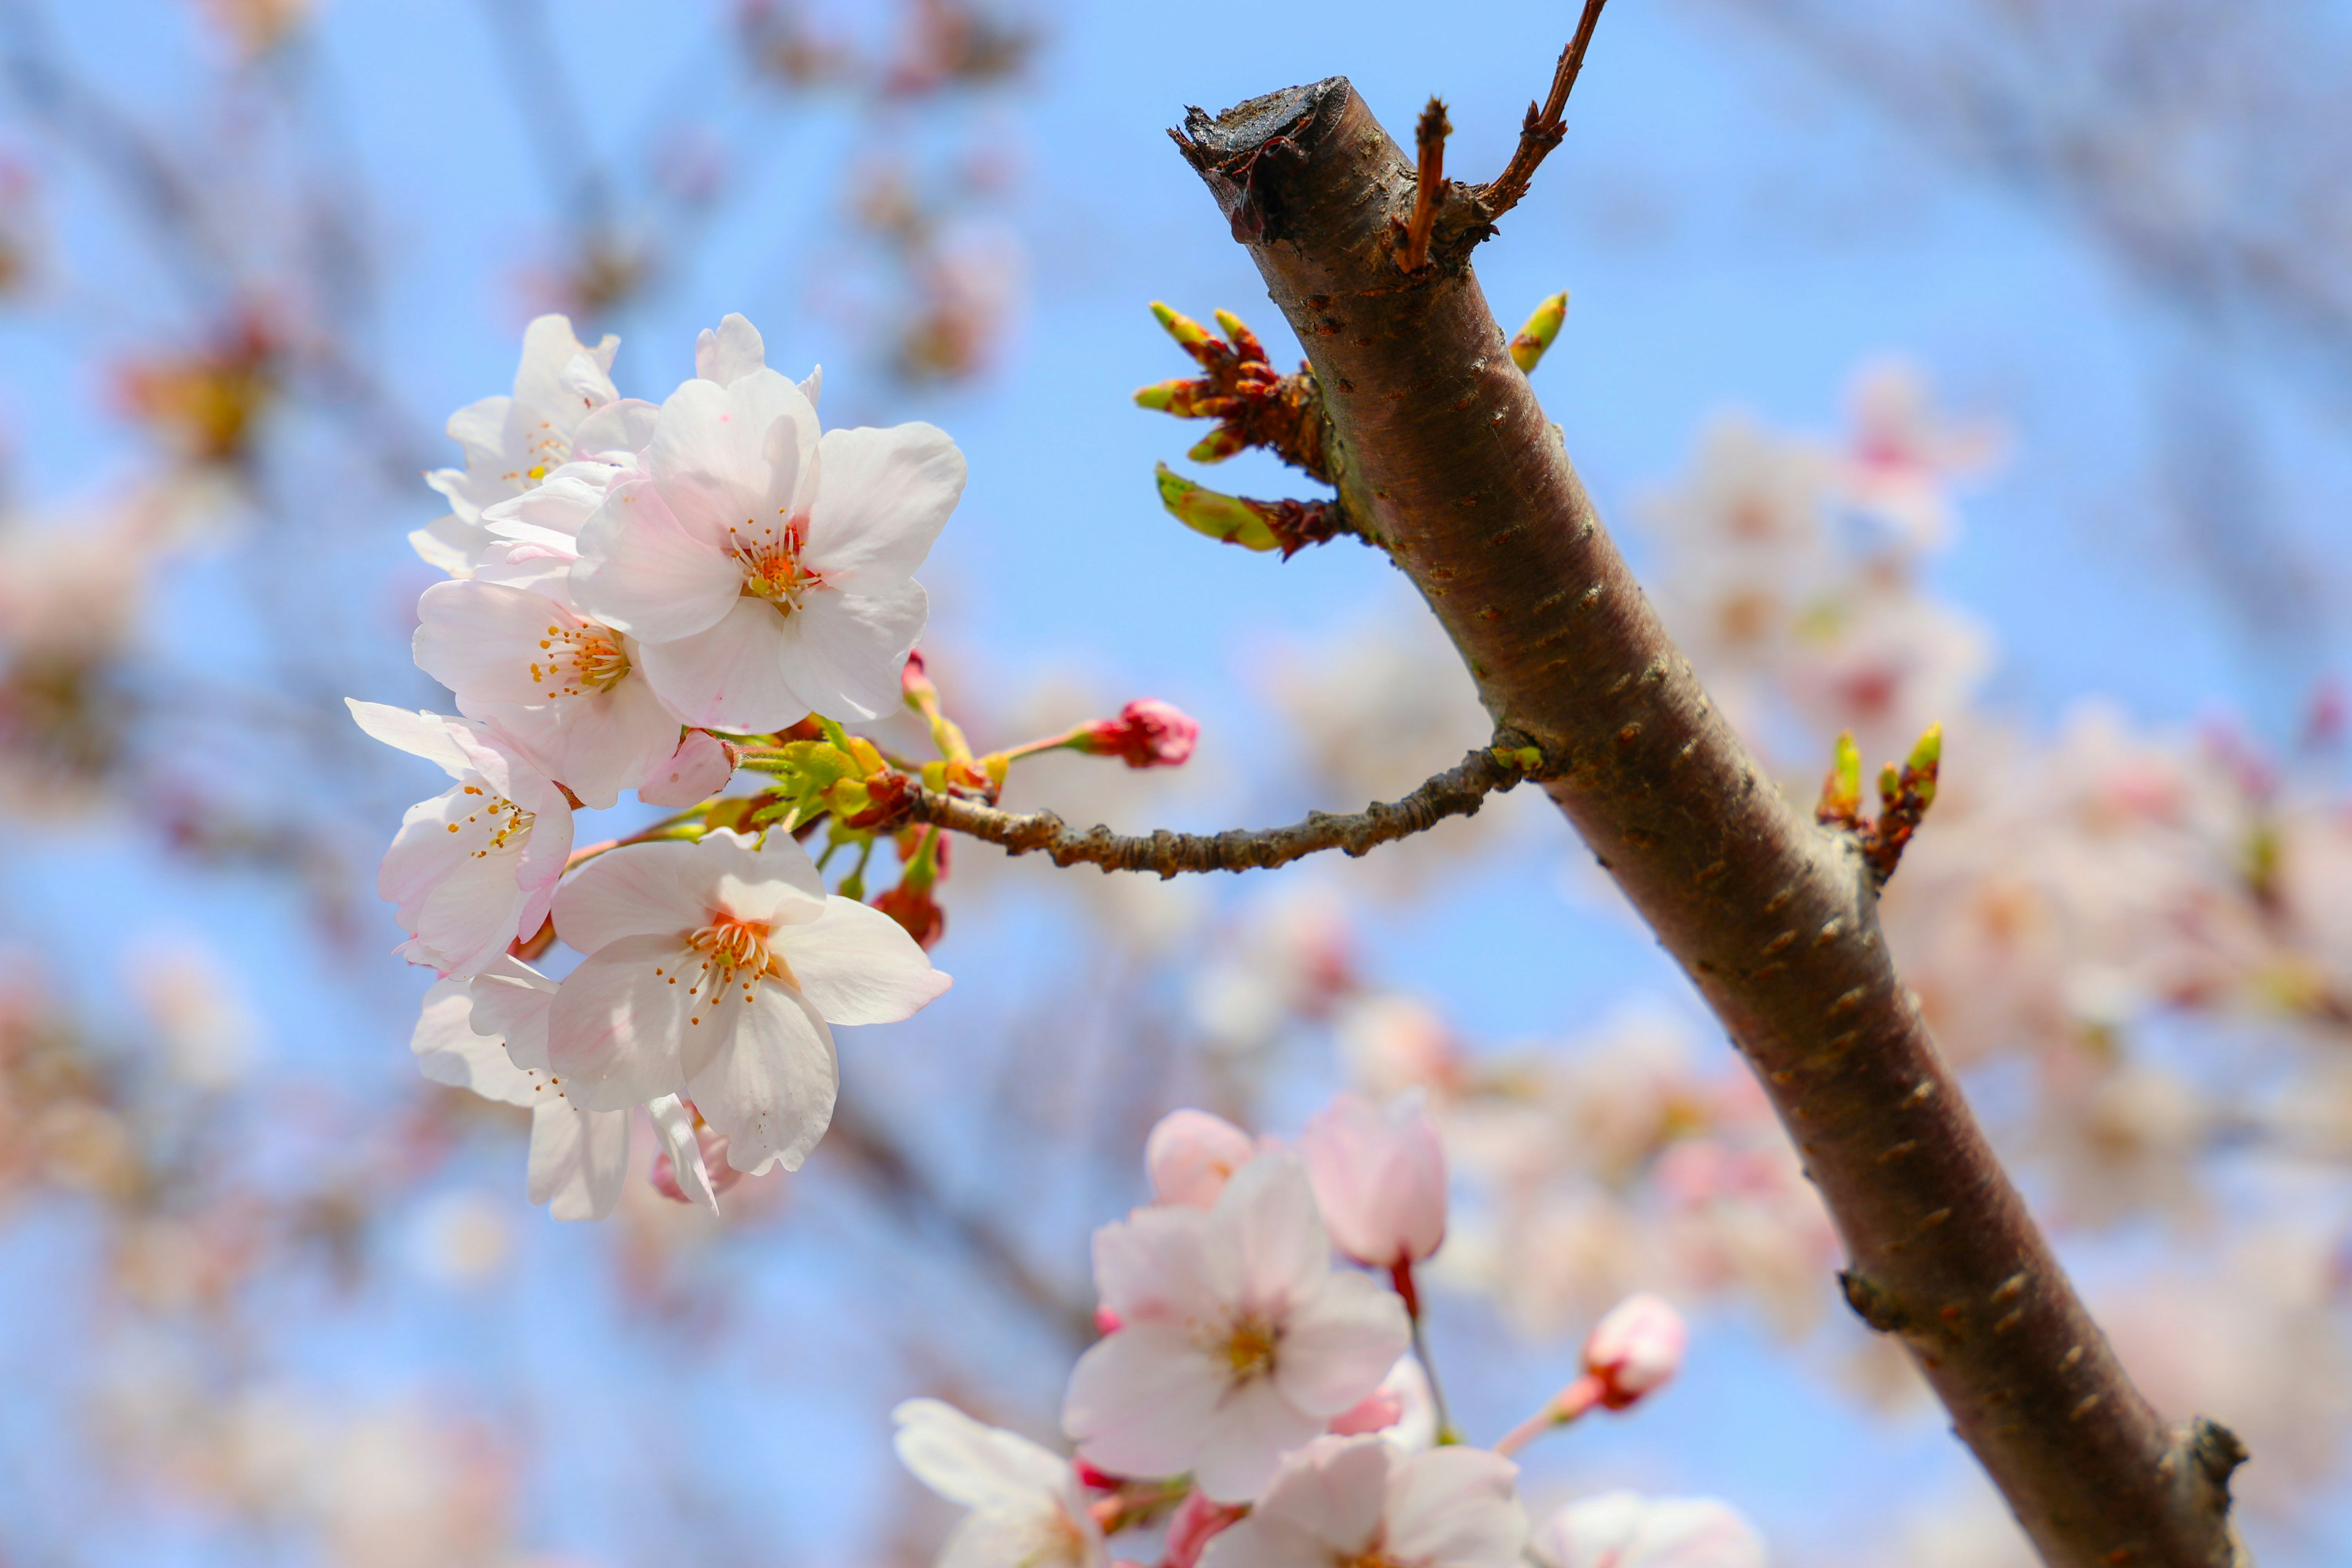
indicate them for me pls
(1459, 791)
(1543, 128)
(1429, 185)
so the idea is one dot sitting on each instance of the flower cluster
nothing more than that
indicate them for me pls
(1259, 1404)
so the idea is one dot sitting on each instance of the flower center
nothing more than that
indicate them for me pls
(580, 658)
(771, 558)
(734, 944)
(1249, 1348)
(509, 825)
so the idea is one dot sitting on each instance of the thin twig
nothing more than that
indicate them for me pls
(1429, 185)
(1459, 791)
(1543, 128)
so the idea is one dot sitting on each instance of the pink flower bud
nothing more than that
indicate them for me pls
(1192, 1154)
(700, 769)
(1379, 1178)
(720, 1174)
(1195, 1522)
(1147, 733)
(1634, 1349)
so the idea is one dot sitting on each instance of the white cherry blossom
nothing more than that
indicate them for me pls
(1027, 1508)
(511, 443)
(475, 869)
(768, 569)
(713, 972)
(571, 689)
(735, 350)
(1237, 1340)
(1624, 1530)
(480, 1036)
(1355, 1502)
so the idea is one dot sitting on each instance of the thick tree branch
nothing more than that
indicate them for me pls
(1459, 791)
(1444, 453)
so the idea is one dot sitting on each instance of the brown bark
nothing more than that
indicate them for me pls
(1443, 456)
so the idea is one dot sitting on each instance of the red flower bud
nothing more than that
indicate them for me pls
(1147, 733)
(918, 911)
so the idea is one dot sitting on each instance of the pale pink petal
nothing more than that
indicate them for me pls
(734, 675)
(618, 432)
(489, 643)
(1153, 1265)
(729, 353)
(1333, 1491)
(1191, 1155)
(770, 1083)
(979, 1466)
(674, 1126)
(1255, 1425)
(730, 457)
(1624, 1530)
(857, 965)
(844, 652)
(640, 571)
(777, 883)
(554, 512)
(547, 380)
(882, 499)
(510, 1001)
(1267, 1246)
(1338, 1342)
(451, 544)
(451, 882)
(579, 1159)
(1140, 1401)
(1380, 1179)
(637, 889)
(698, 769)
(449, 1050)
(614, 1035)
(1456, 1505)
(477, 429)
(426, 735)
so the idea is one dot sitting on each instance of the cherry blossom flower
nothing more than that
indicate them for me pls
(1191, 1155)
(697, 770)
(480, 1036)
(1147, 733)
(571, 689)
(1354, 1502)
(735, 351)
(475, 869)
(767, 570)
(1380, 1178)
(1634, 1349)
(1027, 1507)
(1622, 1530)
(511, 443)
(1237, 1340)
(713, 970)
(692, 1166)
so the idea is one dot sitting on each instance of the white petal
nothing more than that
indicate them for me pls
(729, 457)
(637, 889)
(732, 353)
(614, 1034)
(489, 643)
(619, 431)
(881, 500)
(1142, 1400)
(1456, 1505)
(844, 652)
(1267, 1238)
(551, 383)
(1338, 1342)
(698, 769)
(451, 544)
(556, 509)
(452, 884)
(449, 1050)
(976, 1464)
(640, 571)
(510, 1001)
(733, 675)
(857, 965)
(422, 734)
(477, 429)
(1333, 1491)
(770, 1084)
(777, 883)
(1153, 1264)
(598, 743)
(579, 1159)
(1253, 1428)
(674, 1125)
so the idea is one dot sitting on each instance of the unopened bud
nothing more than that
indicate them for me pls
(1190, 336)
(1196, 1521)
(1191, 1156)
(1926, 762)
(1537, 336)
(1634, 1349)
(1220, 516)
(917, 910)
(1245, 344)
(1840, 801)
(1147, 733)
(1218, 445)
(1380, 1179)
(698, 770)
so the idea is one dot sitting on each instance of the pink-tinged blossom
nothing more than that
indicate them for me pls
(1147, 733)
(1634, 1349)
(1403, 1410)
(1355, 1502)
(1623, 1530)
(692, 1166)
(713, 972)
(1237, 1340)
(697, 770)
(474, 869)
(1198, 1519)
(512, 443)
(570, 689)
(1380, 1178)
(490, 1036)
(768, 569)
(735, 351)
(1191, 1155)
(1027, 1505)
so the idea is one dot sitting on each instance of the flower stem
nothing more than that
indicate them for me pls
(1400, 1276)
